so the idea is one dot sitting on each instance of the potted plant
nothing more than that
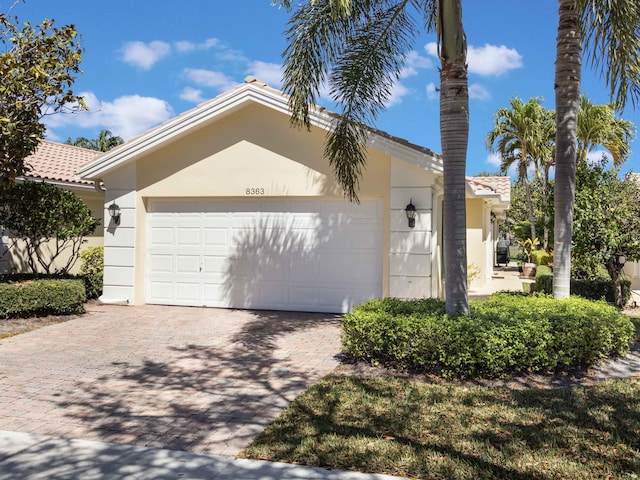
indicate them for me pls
(528, 246)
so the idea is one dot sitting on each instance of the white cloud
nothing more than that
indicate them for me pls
(494, 159)
(493, 60)
(415, 61)
(145, 55)
(397, 92)
(190, 94)
(488, 60)
(126, 116)
(478, 92)
(269, 73)
(209, 78)
(187, 46)
(432, 91)
(432, 49)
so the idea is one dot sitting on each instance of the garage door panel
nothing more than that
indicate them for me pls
(158, 290)
(161, 236)
(296, 254)
(188, 236)
(160, 263)
(215, 237)
(188, 291)
(187, 263)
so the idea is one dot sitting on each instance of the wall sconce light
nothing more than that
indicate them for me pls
(493, 217)
(114, 213)
(410, 210)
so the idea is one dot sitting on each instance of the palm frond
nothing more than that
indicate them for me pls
(611, 36)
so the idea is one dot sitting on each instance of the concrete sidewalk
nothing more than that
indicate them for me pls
(34, 457)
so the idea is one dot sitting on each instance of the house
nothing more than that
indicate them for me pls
(58, 164)
(226, 205)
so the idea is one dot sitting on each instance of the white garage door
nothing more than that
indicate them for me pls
(274, 254)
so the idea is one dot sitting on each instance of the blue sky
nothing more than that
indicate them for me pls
(146, 61)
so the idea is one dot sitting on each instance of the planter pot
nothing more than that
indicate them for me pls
(529, 270)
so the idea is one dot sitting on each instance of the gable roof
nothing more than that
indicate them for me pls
(219, 107)
(59, 163)
(491, 186)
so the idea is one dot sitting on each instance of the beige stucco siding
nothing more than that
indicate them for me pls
(476, 247)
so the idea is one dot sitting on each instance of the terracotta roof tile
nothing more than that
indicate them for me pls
(58, 161)
(500, 185)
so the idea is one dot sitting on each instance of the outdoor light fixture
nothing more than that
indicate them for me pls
(493, 217)
(410, 210)
(114, 213)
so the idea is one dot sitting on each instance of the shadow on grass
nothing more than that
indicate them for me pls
(426, 431)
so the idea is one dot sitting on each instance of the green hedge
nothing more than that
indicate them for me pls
(42, 297)
(597, 289)
(508, 333)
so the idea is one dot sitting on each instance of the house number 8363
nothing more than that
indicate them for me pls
(254, 191)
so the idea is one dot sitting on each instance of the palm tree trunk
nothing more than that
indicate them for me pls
(454, 132)
(567, 88)
(532, 215)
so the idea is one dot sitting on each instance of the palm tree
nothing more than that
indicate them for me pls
(522, 136)
(359, 47)
(105, 141)
(609, 30)
(599, 125)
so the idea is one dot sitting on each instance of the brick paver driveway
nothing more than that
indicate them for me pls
(198, 379)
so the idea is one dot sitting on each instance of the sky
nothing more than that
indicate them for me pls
(147, 61)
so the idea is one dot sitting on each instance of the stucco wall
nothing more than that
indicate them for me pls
(476, 247)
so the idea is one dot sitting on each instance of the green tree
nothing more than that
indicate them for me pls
(359, 47)
(38, 65)
(522, 135)
(103, 143)
(606, 222)
(49, 220)
(599, 125)
(609, 32)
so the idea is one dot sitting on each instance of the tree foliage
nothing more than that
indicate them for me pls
(606, 222)
(103, 143)
(49, 220)
(38, 65)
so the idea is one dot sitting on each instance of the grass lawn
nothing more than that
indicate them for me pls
(387, 425)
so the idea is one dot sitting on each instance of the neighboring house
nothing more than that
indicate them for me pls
(226, 205)
(632, 269)
(58, 164)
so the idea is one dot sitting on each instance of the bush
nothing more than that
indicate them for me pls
(593, 289)
(544, 279)
(541, 257)
(42, 297)
(92, 270)
(508, 333)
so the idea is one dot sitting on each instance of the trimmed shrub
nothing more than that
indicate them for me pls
(42, 297)
(595, 289)
(92, 270)
(506, 334)
(544, 279)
